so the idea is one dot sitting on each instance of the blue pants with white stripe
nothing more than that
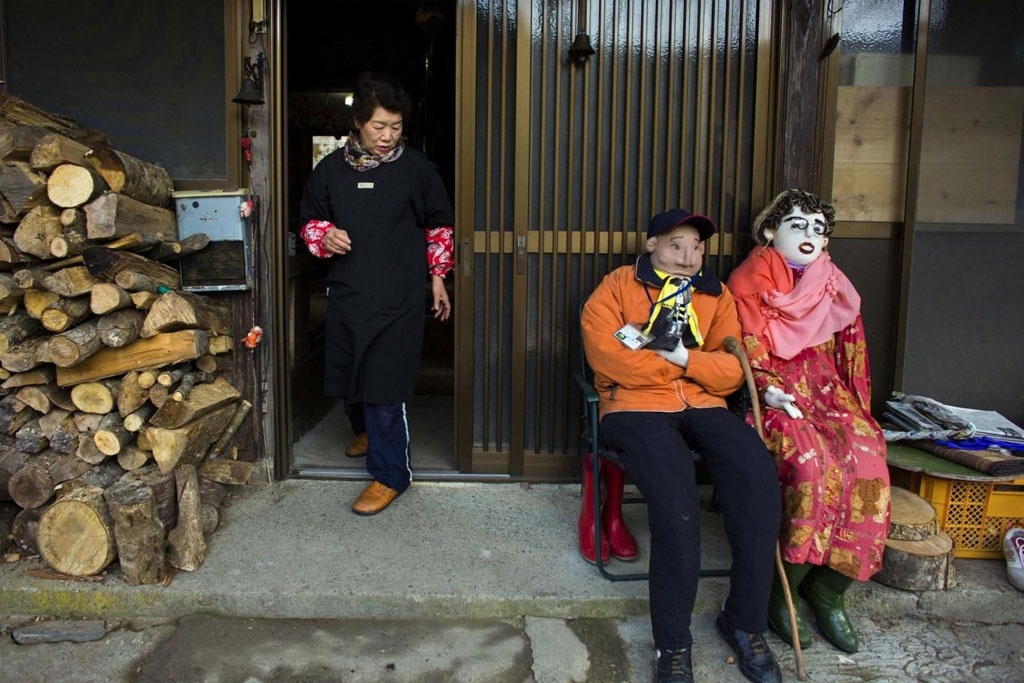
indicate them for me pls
(387, 431)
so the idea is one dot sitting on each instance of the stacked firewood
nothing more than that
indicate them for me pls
(112, 416)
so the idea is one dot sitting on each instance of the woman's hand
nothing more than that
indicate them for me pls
(442, 307)
(337, 241)
(777, 398)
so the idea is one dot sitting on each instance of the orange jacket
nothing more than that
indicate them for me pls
(642, 380)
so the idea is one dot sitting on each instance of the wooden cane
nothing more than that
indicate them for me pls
(732, 345)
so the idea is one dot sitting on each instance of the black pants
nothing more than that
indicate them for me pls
(387, 435)
(658, 451)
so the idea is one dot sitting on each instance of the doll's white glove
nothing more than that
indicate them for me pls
(679, 355)
(777, 398)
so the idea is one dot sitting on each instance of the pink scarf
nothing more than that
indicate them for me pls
(793, 315)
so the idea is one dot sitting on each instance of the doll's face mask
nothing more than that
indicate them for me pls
(800, 236)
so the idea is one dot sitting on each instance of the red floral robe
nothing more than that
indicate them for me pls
(832, 463)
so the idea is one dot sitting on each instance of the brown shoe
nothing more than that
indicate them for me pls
(373, 499)
(358, 446)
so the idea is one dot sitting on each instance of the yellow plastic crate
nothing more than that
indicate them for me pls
(975, 514)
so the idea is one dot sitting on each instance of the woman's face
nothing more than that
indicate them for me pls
(381, 133)
(800, 236)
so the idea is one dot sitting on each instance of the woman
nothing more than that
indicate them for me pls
(379, 210)
(803, 333)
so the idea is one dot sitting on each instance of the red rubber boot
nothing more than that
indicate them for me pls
(623, 545)
(585, 524)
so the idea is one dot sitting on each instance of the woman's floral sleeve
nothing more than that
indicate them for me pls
(440, 250)
(313, 235)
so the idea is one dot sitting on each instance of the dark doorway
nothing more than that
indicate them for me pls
(327, 46)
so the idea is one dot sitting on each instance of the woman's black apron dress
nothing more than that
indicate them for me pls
(376, 303)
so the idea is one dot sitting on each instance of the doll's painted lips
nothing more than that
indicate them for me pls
(806, 248)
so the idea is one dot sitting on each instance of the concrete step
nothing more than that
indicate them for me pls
(293, 549)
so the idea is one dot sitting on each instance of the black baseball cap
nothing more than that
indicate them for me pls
(666, 220)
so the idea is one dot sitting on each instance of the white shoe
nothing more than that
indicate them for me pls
(1013, 549)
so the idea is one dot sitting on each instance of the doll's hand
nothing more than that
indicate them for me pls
(777, 398)
(679, 355)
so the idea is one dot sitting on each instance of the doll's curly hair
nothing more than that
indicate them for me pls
(783, 203)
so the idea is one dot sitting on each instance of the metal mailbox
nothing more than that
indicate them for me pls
(226, 263)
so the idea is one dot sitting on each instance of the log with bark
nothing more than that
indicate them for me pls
(188, 444)
(65, 433)
(32, 486)
(36, 300)
(132, 177)
(70, 186)
(136, 420)
(70, 243)
(131, 395)
(76, 533)
(139, 537)
(111, 436)
(106, 297)
(67, 468)
(53, 149)
(15, 329)
(132, 458)
(98, 398)
(25, 531)
(35, 231)
(17, 112)
(38, 397)
(11, 461)
(183, 310)
(27, 355)
(202, 400)
(30, 438)
(165, 492)
(18, 142)
(22, 187)
(106, 264)
(114, 215)
(71, 281)
(120, 328)
(186, 541)
(66, 312)
(14, 413)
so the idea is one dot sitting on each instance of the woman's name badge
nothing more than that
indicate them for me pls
(364, 186)
(633, 337)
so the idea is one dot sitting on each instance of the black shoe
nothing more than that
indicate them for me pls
(756, 661)
(674, 666)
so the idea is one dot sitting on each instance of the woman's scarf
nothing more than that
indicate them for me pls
(361, 160)
(792, 313)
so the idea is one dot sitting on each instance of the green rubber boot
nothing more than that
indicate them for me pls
(778, 613)
(824, 589)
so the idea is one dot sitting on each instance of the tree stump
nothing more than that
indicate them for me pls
(913, 517)
(918, 565)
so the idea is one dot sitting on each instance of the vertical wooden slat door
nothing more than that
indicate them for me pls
(561, 168)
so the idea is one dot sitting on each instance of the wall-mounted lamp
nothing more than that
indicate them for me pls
(251, 91)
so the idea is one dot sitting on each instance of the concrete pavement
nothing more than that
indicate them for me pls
(474, 565)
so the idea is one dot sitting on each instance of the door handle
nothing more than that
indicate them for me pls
(520, 254)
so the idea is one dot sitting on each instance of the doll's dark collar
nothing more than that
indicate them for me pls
(702, 282)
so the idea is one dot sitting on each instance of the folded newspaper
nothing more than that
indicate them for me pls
(983, 440)
(920, 417)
